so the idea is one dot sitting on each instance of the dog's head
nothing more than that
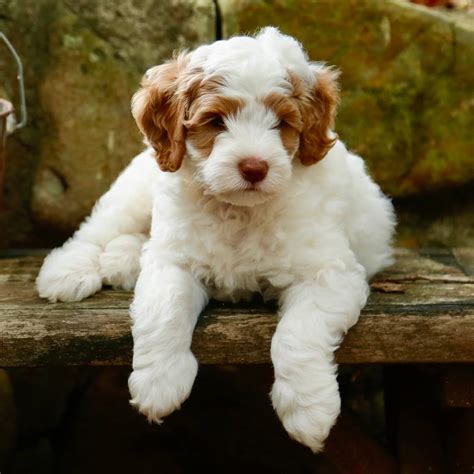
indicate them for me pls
(240, 112)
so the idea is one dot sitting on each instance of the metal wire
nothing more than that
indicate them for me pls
(21, 82)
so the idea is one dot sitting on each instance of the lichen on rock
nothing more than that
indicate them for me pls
(83, 61)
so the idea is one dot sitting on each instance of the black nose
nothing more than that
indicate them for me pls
(253, 169)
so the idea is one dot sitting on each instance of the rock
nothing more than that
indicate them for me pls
(407, 91)
(86, 93)
(443, 218)
(84, 60)
(407, 82)
(25, 24)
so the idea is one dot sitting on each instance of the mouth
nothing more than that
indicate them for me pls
(248, 196)
(252, 187)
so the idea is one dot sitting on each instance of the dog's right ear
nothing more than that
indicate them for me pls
(159, 113)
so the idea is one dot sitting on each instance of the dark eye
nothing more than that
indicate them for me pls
(278, 125)
(218, 122)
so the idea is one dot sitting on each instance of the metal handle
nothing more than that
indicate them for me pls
(21, 82)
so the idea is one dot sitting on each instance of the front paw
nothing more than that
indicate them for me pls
(70, 273)
(159, 389)
(307, 417)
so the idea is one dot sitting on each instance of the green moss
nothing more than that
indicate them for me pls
(81, 71)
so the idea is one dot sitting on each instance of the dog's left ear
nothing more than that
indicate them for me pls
(318, 110)
(159, 113)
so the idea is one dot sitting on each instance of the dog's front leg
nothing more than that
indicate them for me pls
(167, 303)
(315, 314)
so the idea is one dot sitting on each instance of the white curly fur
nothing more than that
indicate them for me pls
(309, 236)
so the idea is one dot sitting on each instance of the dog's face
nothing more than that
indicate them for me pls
(240, 112)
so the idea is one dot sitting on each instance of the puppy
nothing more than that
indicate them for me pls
(252, 193)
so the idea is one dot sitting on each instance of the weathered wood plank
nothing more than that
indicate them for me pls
(428, 316)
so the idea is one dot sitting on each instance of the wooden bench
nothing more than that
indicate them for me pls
(420, 312)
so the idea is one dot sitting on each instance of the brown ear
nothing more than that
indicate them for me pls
(159, 113)
(318, 111)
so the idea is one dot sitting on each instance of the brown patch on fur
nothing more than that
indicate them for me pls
(205, 111)
(290, 138)
(210, 107)
(291, 122)
(159, 112)
(202, 138)
(318, 108)
(176, 102)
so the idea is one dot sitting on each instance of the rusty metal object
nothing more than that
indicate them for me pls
(6, 108)
(21, 83)
(6, 111)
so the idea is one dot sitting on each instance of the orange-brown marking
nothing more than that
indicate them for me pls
(289, 115)
(159, 113)
(203, 112)
(318, 109)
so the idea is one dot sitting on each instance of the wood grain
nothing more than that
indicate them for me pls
(420, 310)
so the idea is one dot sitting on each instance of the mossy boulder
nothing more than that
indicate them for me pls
(26, 25)
(407, 104)
(83, 61)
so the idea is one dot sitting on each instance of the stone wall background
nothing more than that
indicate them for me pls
(407, 104)
(83, 60)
